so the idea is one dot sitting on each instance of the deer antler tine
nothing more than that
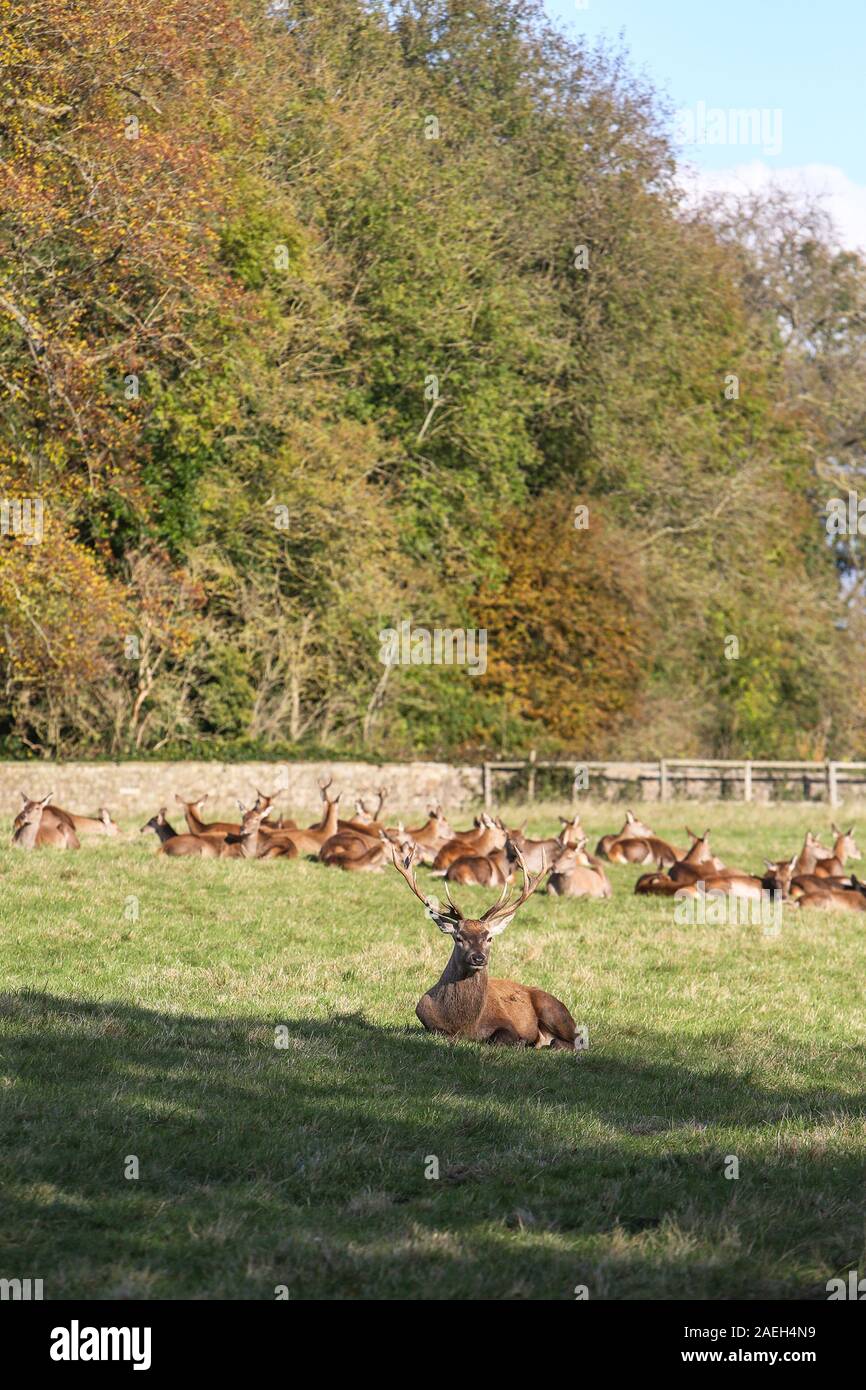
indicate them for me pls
(451, 900)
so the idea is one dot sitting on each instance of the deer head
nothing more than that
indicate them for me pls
(472, 937)
(31, 812)
(845, 846)
(636, 827)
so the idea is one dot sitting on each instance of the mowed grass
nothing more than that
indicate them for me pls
(138, 1015)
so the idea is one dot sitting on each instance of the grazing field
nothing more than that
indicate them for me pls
(140, 999)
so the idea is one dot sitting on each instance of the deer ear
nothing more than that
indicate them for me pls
(850, 832)
(442, 919)
(242, 808)
(500, 926)
(770, 865)
(24, 797)
(629, 815)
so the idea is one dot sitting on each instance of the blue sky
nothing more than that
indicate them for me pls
(805, 61)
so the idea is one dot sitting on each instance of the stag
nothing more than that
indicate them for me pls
(466, 1002)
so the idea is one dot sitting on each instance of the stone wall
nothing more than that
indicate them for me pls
(138, 789)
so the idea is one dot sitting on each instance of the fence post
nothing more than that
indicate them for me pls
(832, 784)
(486, 779)
(531, 787)
(747, 781)
(663, 780)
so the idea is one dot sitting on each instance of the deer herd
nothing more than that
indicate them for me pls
(466, 1002)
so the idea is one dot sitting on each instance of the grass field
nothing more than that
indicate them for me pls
(259, 1166)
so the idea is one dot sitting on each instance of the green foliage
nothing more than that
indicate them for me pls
(347, 262)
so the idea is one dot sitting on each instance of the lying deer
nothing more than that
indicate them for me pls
(537, 851)
(810, 855)
(490, 837)
(432, 835)
(311, 840)
(82, 825)
(844, 848)
(572, 876)
(31, 833)
(199, 827)
(466, 1003)
(489, 870)
(632, 828)
(698, 862)
(371, 858)
(832, 899)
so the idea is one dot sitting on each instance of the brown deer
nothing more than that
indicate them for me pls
(82, 825)
(832, 899)
(491, 870)
(160, 826)
(632, 828)
(308, 841)
(572, 877)
(199, 827)
(661, 885)
(698, 862)
(844, 848)
(536, 851)
(810, 855)
(432, 835)
(489, 838)
(29, 831)
(466, 1003)
(371, 858)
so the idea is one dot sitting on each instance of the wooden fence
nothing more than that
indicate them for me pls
(669, 776)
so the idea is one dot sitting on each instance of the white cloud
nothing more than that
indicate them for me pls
(844, 200)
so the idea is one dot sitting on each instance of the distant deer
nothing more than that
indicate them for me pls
(311, 840)
(698, 862)
(491, 870)
(832, 899)
(160, 826)
(362, 857)
(82, 825)
(466, 1003)
(31, 833)
(432, 835)
(199, 827)
(844, 848)
(489, 837)
(537, 851)
(643, 850)
(632, 829)
(572, 877)
(811, 854)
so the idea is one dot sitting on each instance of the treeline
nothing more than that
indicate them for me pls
(320, 317)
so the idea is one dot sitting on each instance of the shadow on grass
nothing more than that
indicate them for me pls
(305, 1164)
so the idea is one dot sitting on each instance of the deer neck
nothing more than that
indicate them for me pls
(165, 832)
(194, 821)
(461, 994)
(839, 851)
(25, 838)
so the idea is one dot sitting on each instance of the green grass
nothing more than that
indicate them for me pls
(305, 1166)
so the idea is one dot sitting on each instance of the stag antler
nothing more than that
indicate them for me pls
(405, 867)
(506, 905)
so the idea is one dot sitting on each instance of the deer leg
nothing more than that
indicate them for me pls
(554, 1020)
(506, 1037)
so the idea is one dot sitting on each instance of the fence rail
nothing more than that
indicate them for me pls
(664, 776)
